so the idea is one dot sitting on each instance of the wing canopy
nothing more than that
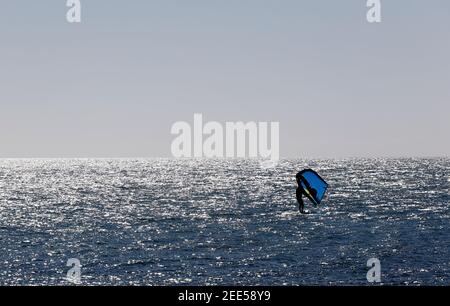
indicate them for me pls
(313, 185)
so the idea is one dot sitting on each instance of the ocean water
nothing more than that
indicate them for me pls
(219, 222)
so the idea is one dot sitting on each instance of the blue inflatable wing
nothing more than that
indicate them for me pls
(313, 185)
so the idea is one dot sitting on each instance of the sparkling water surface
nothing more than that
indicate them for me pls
(224, 222)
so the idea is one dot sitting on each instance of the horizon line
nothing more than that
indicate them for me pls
(235, 158)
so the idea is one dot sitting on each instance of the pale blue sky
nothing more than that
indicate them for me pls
(113, 85)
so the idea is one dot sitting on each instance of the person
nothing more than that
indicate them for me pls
(300, 192)
(301, 205)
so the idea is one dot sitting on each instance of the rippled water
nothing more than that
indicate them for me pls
(165, 222)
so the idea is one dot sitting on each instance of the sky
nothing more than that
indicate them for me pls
(113, 85)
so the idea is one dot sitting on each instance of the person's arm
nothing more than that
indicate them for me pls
(305, 182)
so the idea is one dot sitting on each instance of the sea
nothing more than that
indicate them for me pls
(223, 222)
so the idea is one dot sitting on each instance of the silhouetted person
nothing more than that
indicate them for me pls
(300, 192)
